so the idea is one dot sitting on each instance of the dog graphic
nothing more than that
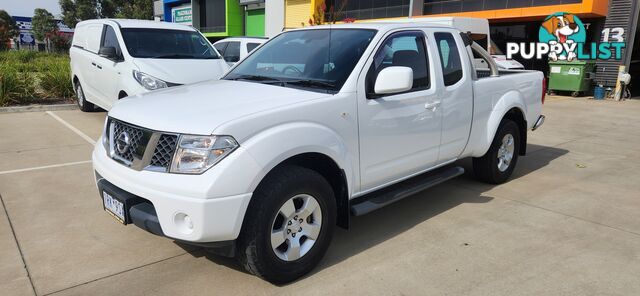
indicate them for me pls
(561, 26)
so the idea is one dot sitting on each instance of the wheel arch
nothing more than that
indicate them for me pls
(331, 171)
(510, 106)
(516, 115)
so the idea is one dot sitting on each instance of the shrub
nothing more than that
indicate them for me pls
(15, 87)
(25, 75)
(55, 81)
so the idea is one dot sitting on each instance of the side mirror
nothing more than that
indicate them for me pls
(393, 80)
(108, 53)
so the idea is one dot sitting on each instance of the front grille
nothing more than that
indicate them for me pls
(133, 133)
(140, 148)
(164, 151)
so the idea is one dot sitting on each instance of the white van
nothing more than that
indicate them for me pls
(479, 31)
(112, 59)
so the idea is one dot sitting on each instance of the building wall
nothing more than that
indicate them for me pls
(218, 18)
(494, 10)
(297, 13)
(169, 4)
(254, 22)
(274, 17)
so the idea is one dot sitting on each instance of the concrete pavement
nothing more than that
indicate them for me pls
(567, 223)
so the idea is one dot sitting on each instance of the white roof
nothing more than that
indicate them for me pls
(132, 23)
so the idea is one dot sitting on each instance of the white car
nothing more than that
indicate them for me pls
(114, 58)
(318, 124)
(235, 49)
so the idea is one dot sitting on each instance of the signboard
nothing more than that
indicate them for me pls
(181, 15)
(26, 29)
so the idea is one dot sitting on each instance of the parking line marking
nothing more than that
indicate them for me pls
(71, 127)
(45, 167)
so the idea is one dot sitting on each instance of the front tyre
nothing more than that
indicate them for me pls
(288, 226)
(83, 104)
(497, 165)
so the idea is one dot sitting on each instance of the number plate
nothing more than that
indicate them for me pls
(113, 206)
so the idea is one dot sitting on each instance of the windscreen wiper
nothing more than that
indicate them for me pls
(311, 83)
(174, 56)
(261, 79)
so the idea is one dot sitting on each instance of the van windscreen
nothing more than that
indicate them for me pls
(167, 44)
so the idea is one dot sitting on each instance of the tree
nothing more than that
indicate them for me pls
(43, 25)
(133, 9)
(74, 11)
(8, 29)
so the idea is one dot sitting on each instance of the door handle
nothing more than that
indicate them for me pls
(93, 63)
(99, 67)
(432, 106)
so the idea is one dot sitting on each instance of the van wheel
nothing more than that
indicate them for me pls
(497, 165)
(288, 226)
(82, 101)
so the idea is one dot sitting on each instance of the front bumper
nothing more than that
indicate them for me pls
(173, 196)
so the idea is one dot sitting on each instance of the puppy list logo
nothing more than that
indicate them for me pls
(563, 37)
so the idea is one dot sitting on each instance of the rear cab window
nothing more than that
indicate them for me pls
(252, 46)
(449, 57)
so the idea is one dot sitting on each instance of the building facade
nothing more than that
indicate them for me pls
(510, 20)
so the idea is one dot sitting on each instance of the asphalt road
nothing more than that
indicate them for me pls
(567, 223)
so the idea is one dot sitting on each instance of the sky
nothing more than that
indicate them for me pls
(26, 7)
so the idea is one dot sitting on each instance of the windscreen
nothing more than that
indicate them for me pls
(320, 59)
(167, 44)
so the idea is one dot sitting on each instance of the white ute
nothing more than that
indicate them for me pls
(316, 125)
(115, 58)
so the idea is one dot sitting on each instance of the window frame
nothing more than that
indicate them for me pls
(371, 76)
(120, 55)
(442, 66)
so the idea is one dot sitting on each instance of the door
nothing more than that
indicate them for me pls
(399, 133)
(456, 94)
(90, 46)
(108, 71)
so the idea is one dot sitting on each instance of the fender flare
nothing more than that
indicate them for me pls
(276, 144)
(510, 100)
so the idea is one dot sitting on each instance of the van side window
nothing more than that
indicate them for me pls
(109, 39)
(449, 58)
(406, 49)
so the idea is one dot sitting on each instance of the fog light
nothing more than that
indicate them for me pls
(183, 223)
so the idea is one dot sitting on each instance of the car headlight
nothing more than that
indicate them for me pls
(196, 154)
(149, 82)
(105, 134)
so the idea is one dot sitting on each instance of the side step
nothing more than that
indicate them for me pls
(378, 199)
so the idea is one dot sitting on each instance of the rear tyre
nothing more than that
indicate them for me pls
(497, 165)
(84, 105)
(289, 225)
